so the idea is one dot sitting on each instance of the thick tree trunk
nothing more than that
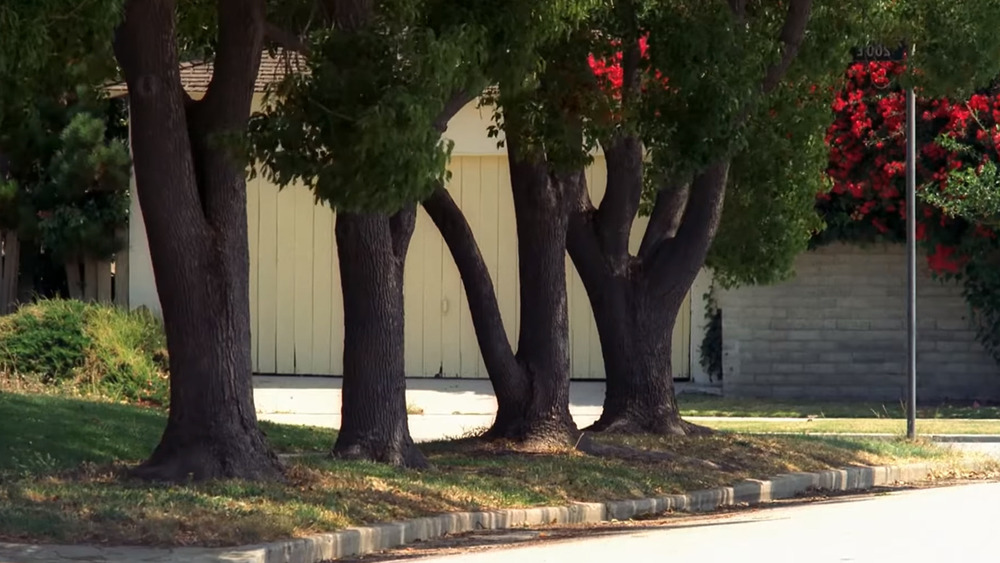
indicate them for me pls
(212, 429)
(542, 214)
(193, 200)
(636, 300)
(74, 281)
(532, 387)
(635, 327)
(372, 252)
(9, 271)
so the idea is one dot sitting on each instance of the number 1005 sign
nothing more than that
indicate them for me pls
(878, 52)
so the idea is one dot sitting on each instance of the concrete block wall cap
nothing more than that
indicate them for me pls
(363, 540)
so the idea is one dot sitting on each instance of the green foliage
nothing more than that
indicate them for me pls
(68, 184)
(94, 348)
(47, 47)
(715, 67)
(769, 214)
(357, 127)
(973, 191)
(356, 123)
(46, 340)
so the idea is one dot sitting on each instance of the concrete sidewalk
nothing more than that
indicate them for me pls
(454, 407)
(450, 407)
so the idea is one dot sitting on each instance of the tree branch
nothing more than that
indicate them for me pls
(582, 240)
(237, 61)
(454, 105)
(671, 202)
(286, 39)
(623, 158)
(680, 258)
(498, 356)
(792, 33)
(631, 54)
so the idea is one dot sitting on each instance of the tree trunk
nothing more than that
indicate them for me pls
(372, 252)
(9, 271)
(635, 326)
(542, 215)
(532, 387)
(74, 281)
(193, 198)
(212, 429)
(636, 300)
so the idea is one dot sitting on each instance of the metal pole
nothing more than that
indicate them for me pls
(911, 263)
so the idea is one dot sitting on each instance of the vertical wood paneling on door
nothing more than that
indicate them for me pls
(267, 274)
(451, 286)
(324, 250)
(253, 232)
(472, 190)
(285, 292)
(305, 209)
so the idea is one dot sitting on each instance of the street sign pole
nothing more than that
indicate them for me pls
(875, 52)
(911, 264)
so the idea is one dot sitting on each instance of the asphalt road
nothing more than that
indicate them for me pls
(928, 525)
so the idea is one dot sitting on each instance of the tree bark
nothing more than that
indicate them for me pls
(531, 386)
(372, 252)
(193, 199)
(9, 270)
(636, 300)
(635, 325)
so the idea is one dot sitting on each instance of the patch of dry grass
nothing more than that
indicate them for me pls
(98, 504)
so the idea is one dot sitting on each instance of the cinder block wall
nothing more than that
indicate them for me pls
(836, 331)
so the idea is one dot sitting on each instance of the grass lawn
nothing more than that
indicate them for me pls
(710, 405)
(858, 425)
(62, 463)
(45, 433)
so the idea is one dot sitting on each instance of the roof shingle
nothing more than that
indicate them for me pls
(196, 76)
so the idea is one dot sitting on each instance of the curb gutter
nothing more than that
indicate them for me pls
(370, 539)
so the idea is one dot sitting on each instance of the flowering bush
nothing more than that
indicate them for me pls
(957, 151)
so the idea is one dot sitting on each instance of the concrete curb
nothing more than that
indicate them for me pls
(952, 438)
(370, 539)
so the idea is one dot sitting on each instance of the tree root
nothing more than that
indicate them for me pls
(175, 464)
(407, 456)
(625, 425)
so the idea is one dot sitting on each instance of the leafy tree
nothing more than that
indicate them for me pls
(66, 193)
(545, 152)
(52, 54)
(361, 125)
(363, 128)
(683, 146)
(191, 187)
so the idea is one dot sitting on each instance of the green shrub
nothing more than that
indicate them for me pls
(46, 340)
(94, 348)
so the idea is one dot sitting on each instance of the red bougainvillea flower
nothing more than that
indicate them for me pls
(867, 145)
(944, 260)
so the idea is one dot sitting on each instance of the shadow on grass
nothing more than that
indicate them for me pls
(43, 433)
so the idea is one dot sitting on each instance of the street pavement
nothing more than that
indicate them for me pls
(918, 526)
